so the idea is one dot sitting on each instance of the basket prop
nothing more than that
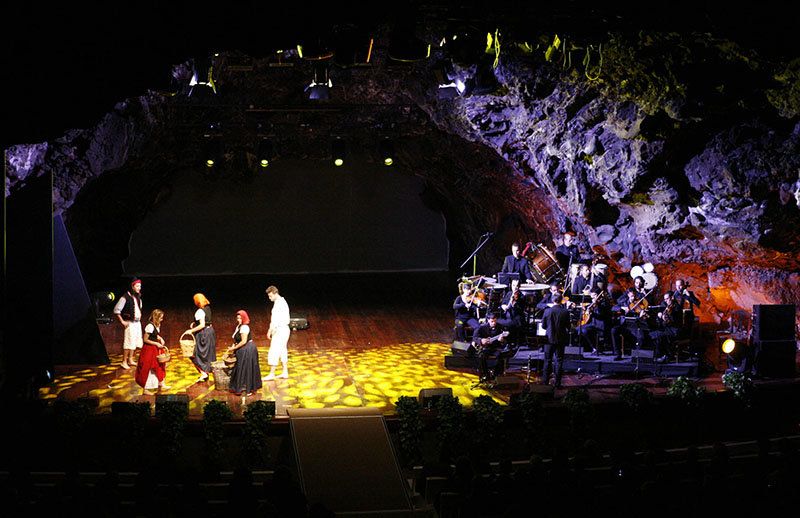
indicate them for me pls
(187, 345)
(229, 359)
(163, 356)
(222, 375)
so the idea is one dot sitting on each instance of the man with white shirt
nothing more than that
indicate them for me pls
(129, 313)
(278, 334)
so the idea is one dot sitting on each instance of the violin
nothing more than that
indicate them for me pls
(476, 296)
(666, 315)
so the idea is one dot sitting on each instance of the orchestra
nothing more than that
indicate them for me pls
(531, 281)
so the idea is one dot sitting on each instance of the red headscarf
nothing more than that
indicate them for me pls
(135, 281)
(245, 317)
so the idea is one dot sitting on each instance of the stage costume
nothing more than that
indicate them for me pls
(205, 340)
(279, 325)
(149, 372)
(129, 307)
(246, 374)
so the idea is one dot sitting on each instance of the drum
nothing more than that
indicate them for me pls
(544, 267)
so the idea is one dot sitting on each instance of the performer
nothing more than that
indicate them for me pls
(515, 263)
(278, 335)
(246, 374)
(129, 313)
(547, 300)
(205, 338)
(465, 307)
(686, 300)
(638, 285)
(671, 327)
(631, 323)
(596, 319)
(513, 306)
(485, 339)
(582, 283)
(150, 373)
(567, 252)
(556, 321)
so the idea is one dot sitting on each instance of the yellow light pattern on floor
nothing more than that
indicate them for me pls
(332, 378)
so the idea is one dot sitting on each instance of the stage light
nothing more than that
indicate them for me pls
(728, 345)
(320, 87)
(264, 153)
(202, 81)
(212, 152)
(386, 150)
(338, 151)
(103, 303)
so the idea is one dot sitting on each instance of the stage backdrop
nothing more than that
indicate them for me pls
(294, 217)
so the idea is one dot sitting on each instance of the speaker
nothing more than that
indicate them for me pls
(428, 397)
(775, 358)
(773, 322)
(643, 353)
(573, 351)
(461, 348)
(296, 323)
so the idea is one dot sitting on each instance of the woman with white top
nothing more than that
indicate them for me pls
(150, 373)
(246, 374)
(205, 338)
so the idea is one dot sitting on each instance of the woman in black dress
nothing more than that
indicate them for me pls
(246, 374)
(205, 338)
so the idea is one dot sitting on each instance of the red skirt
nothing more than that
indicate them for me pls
(147, 361)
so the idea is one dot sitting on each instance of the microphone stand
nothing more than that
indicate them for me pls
(483, 240)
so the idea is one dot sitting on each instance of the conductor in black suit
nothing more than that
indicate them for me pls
(557, 323)
(515, 263)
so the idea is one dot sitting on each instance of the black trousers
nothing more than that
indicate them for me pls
(500, 354)
(461, 331)
(553, 352)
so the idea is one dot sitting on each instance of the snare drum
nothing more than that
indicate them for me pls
(544, 266)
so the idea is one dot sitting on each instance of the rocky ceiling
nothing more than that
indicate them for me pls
(677, 149)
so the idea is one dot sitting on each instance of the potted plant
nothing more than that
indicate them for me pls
(410, 433)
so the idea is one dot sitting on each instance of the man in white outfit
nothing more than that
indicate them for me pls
(278, 334)
(129, 313)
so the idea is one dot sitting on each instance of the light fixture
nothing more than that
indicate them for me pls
(103, 304)
(264, 153)
(338, 151)
(202, 81)
(320, 87)
(212, 151)
(739, 357)
(386, 151)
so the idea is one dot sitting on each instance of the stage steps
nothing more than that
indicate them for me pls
(347, 462)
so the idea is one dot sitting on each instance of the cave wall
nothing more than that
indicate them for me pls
(682, 151)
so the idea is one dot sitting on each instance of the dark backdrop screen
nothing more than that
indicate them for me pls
(294, 217)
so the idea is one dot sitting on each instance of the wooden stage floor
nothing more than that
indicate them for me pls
(365, 346)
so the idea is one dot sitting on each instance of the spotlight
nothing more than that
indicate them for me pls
(103, 304)
(202, 81)
(338, 151)
(264, 153)
(320, 86)
(386, 150)
(212, 151)
(738, 355)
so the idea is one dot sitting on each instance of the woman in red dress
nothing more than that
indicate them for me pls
(150, 373)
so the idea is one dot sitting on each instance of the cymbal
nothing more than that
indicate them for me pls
(492, 286)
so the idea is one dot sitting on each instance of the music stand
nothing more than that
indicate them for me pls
(507, 277)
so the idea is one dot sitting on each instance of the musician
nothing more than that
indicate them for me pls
(631, 325)
(515, 263)
(489, 339)
(671, 327)
(597, 317)
(582, 284)
(638, 285)
(513, 307)
(568, 252)
(556, 321)
(466, 311)
(686, 300)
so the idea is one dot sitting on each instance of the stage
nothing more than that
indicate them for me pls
(370, 340)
